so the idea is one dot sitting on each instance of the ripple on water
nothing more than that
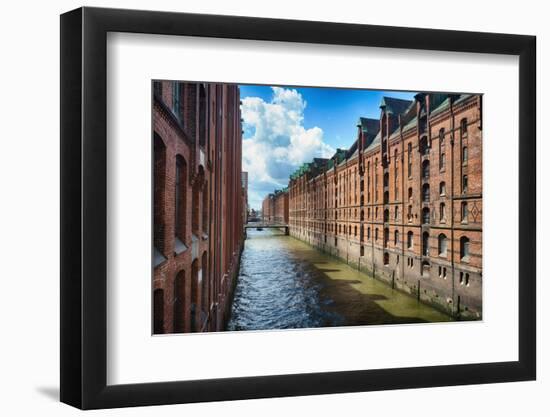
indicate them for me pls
(279, 287)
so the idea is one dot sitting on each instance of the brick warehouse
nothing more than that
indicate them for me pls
(275, 207)
(198, 204)
(404, 203)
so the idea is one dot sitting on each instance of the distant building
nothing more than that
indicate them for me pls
(198, 219)
(404, 203)
(275, 207)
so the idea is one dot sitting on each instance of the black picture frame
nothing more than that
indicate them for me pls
(84, 207)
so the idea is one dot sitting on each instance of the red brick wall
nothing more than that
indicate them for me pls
(449, 275)
(210, 194)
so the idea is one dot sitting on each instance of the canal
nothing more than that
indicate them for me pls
(284, 283)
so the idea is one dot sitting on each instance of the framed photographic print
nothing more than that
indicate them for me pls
(256, 207)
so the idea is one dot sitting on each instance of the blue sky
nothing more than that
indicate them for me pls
(287, 126)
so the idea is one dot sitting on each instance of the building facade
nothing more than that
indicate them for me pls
(404, 203)
(198, 204)
(275, 208)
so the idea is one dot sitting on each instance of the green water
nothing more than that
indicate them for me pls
(285, 283)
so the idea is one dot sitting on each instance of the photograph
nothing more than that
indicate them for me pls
(279, 207)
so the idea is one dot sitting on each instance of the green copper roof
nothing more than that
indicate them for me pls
(394, 105)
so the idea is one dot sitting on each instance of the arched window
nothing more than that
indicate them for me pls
(355, 231)
(426, 170)
(362, 250)
(441, 149)
(396, 212)
(179, 302)
(409, 213)
(409, 159)
(386, 215)
(159, 184)
(425, 215)
(441, 212)
(386, 179)
(376, 234)
(464, 127)
(425, 244)
(362, 215)
(368, 233)
(442, 245)
(195, 301)
(386, 258)
(410, 240)
(158, 311)
(442, 190)
(396, 237)
(410, 193)
(464, 248)
(180, 203)
(386, 237)
(464, 183)
(426, 193)
(464, 212)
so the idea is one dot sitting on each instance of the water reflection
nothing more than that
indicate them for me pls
(285, 284)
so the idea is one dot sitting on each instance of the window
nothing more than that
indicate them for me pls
(464, 183)
(410, 240)
(176, 99)
(362, 250)
(386, 216)
(442, 189)
(386, 258)
(425, 244)
(158, 311)
(442, 212)
(426, 170)
(386, 237)
(464, 248)
(464, 212)
(425, 215)
(441, 149)
(442, 245)
(426, 193)
(424, 148)
(396, 213)
(180, 198)
(362, 215)
(464, 127)
(396, 237)
(409, 213)
(410, 193)
(368, 233)
(355, 231)
(409, 160)
(464, 155)
(159, 183)
(179, 300)
(376, 234)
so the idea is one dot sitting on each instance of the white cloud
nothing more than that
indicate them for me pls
(279, 143)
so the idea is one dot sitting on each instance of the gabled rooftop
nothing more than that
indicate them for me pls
(394, 105)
